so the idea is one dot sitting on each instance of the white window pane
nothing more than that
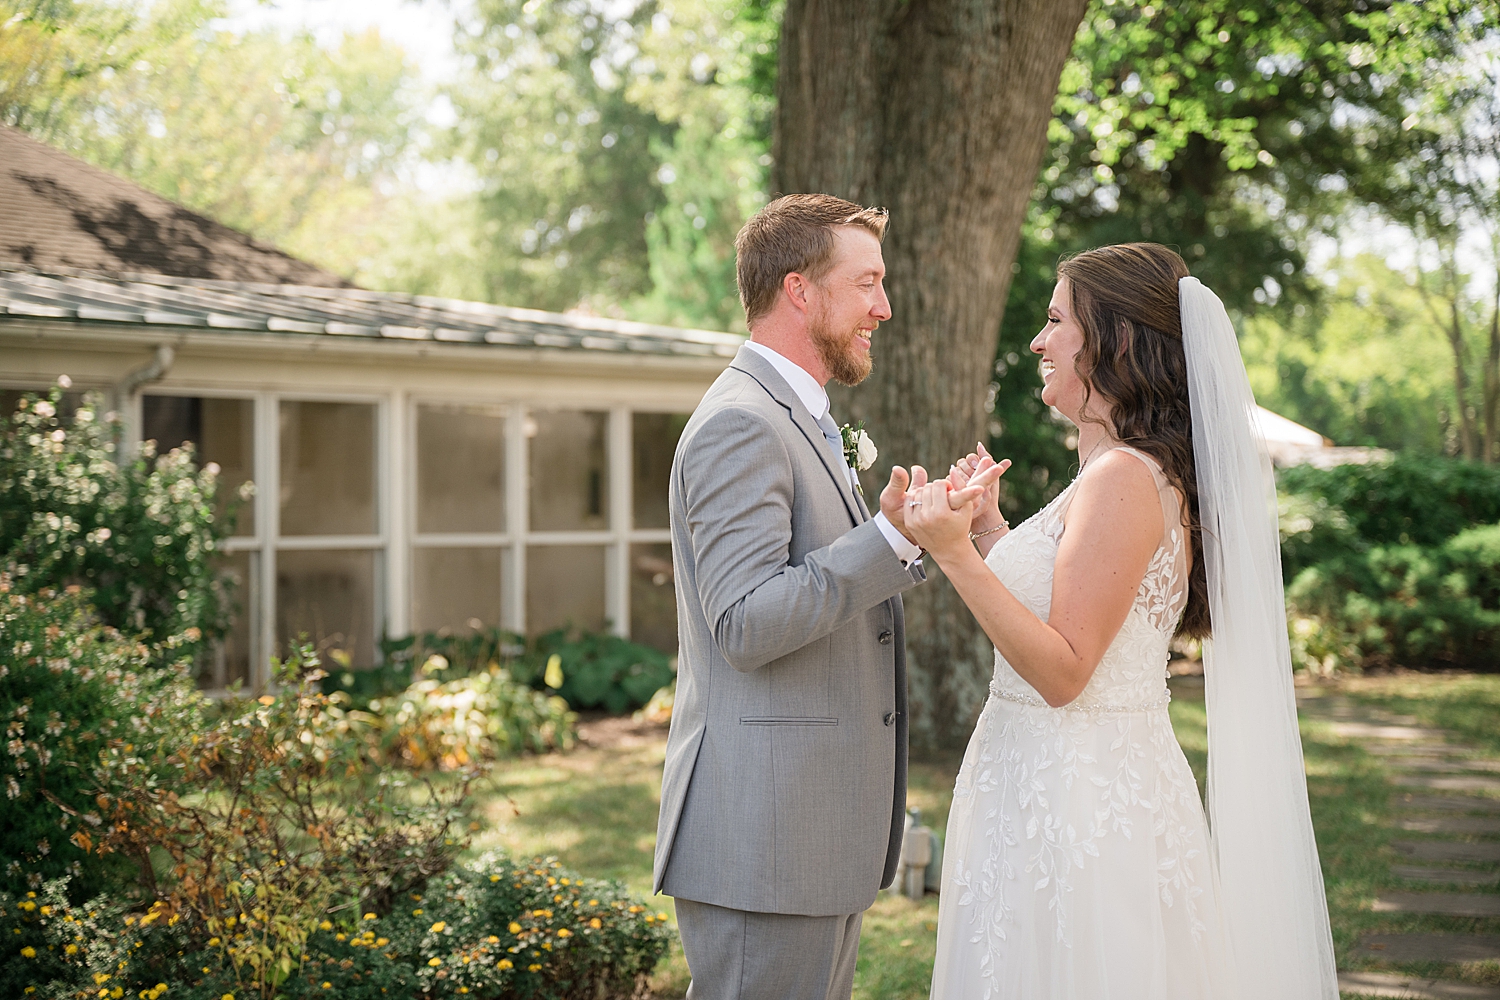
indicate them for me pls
(460, 468)
(328, 598)
(653, 597)
(569, 476)
(653, 442)
(456, 590)
(327, 468)
(221, 431)
(564, 586)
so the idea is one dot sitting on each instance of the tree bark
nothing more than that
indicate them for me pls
(1455, 333)
(1492, 387)
(938, 110)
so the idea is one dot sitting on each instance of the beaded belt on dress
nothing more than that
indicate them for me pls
(1087, 705)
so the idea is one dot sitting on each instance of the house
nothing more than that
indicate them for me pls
(418, 463)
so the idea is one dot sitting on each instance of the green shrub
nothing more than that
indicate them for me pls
(141, 537)
(598, 669)
(1408, 605)
(69, 688)
(1409, 500)
(494, 929)
(481, 717)
(1313, 530)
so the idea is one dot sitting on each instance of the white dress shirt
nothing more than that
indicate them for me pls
(815, 398)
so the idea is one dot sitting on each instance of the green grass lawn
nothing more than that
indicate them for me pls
(595, 809)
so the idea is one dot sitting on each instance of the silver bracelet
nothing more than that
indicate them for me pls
(980, 534)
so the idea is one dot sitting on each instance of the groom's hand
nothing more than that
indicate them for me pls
(893, 497)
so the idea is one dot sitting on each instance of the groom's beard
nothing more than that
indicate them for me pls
(846, 363)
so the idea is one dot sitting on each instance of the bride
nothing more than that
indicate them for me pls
(1079, 862)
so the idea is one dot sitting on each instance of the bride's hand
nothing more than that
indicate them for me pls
(987, 511)
(936, 523)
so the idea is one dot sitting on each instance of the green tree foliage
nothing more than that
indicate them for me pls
(619, 148)
(1362, 367)
(295, 144)
(1232, 131)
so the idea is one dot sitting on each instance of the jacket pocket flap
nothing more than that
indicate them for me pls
(786, 720)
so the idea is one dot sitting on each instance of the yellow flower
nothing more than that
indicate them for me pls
(566, 882)
(369, 916)
(227, 996)
(31, 906)
(416, 913)
(494, 878)
(514, 927)
(213, 942)
(533, 967)
(434, 961)
(504, 963)
(28, 952)
(46, 911)
(327, 986)
(492, 939)
(326, 925)
(636, 909)
(71, 949)
(564, 933)
(596, 923)
(436, 928)
(340, 937)
(661, 916)
(382, 942)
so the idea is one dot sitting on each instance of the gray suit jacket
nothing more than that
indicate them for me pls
(785, 782)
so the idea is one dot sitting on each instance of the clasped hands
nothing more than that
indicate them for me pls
(940, 514)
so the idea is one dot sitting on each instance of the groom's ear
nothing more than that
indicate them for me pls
(794, 286)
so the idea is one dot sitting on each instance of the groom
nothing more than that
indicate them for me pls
(784, 792)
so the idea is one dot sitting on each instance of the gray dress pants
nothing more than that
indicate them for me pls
(743, 955)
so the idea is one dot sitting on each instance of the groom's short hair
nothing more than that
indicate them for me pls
(794, 233)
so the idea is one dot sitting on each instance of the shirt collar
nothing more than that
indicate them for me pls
(813, 395)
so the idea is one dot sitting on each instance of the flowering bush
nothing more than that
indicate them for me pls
(141, 536)
(586, 669)
(482, 717)
(494, 929)
(69, 688)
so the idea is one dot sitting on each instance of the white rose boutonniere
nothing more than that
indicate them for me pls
(859, 451)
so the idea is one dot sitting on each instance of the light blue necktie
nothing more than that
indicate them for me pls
(835, 440)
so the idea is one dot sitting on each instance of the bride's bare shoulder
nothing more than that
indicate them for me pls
(1118, 488)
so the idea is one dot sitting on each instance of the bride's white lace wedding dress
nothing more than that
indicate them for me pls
(1077, 862)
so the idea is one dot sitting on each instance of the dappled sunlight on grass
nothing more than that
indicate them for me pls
(595, 808)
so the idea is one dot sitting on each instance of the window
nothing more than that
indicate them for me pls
(568, 485)
(327, 468)
(653, 597)
(456, 589)
(460, 469)
(221, 431)
(564, 586)
(328, 598)
(653, 443)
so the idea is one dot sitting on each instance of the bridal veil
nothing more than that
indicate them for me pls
(1260, 826)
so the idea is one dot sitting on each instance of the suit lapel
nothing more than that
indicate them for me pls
(765, 373)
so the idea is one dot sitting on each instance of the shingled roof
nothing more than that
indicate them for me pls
(301, 311)
(59, 214)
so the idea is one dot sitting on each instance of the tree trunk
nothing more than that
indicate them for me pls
(1455, 333)
(1492, 387)
(938, 110)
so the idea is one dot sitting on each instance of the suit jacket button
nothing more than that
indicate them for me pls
(885, 639)
(890, 718)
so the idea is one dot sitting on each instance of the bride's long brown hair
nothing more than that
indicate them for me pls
(1126, 301)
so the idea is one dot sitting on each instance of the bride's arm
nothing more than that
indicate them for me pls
(1113, 527)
